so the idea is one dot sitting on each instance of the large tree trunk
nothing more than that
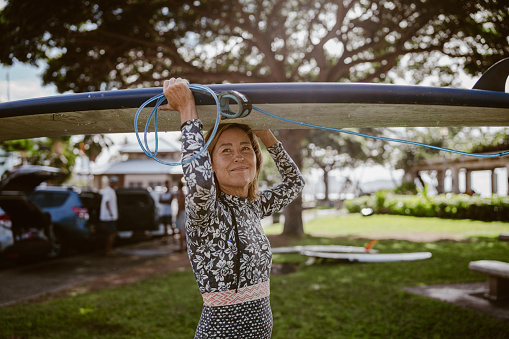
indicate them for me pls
(293, 218)
(326, 184)
(291, 140)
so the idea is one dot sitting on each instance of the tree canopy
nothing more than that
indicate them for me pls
(106, 44)
(54, 152)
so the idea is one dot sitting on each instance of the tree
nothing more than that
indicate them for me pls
(329, 151)
(105, 44)
(59, 152)
(54, 152)
(292, 140)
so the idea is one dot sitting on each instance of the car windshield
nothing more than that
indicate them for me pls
(49, 199)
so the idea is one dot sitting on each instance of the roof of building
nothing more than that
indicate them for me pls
(142, 166)
(164, 145)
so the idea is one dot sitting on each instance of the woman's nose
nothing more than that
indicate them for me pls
(238, 156)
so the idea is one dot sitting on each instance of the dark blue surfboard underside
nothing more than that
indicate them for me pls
(268, 93)
(340, 105)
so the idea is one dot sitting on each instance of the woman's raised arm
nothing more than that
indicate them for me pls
(266, 137)
(180, 98)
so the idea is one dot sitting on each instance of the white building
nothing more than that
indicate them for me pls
(141, 171)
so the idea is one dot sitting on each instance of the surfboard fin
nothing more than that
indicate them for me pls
(495, 77)
(370, 245)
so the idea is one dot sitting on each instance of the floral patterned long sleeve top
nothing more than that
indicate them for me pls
(211, 240)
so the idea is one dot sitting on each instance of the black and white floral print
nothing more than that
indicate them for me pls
(212, 243)
(210, 233)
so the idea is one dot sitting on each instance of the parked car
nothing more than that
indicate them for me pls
(137, 211)
(59, 218)
(31, 227)
(74, 214)
(6, 238)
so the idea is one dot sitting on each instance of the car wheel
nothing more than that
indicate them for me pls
(57, 246)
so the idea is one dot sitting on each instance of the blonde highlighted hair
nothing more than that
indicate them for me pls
(252, 193)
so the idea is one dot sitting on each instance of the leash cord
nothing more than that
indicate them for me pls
(380, 138)
(160, 99)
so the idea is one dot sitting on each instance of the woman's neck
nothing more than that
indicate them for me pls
(241, 192)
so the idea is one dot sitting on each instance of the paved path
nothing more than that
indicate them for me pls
(28, 281)
(21, 282)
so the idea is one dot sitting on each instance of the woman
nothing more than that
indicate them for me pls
(229, 252)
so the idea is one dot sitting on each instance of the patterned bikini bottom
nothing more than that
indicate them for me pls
(252, 319)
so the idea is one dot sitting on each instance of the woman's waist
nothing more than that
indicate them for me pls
(241, 295)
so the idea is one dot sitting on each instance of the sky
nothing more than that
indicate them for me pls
(24, 83)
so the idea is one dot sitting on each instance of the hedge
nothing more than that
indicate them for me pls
(450, 206)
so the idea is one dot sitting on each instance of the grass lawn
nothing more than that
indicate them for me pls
(320, 301)
(355, 224)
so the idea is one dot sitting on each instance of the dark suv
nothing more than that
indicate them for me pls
(137, 211)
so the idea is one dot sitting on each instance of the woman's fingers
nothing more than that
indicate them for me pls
(180, 98)
(177, 93)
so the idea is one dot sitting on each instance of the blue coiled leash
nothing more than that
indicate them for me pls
(244, 108)
(223, 110)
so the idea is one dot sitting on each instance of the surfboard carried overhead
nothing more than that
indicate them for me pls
(340, 105)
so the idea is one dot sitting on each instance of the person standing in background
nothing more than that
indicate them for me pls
(166, 214)
(109, 214)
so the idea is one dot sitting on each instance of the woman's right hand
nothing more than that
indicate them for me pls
(180, 98)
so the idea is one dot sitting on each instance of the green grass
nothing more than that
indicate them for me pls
(355, 224)
(320, 301)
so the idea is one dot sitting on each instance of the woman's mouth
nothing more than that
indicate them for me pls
(239, 169)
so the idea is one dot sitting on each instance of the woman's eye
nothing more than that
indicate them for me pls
(226, 150)
(246, 148)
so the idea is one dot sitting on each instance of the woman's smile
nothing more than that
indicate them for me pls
(238, 169)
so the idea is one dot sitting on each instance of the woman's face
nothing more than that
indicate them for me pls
(234, 162)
